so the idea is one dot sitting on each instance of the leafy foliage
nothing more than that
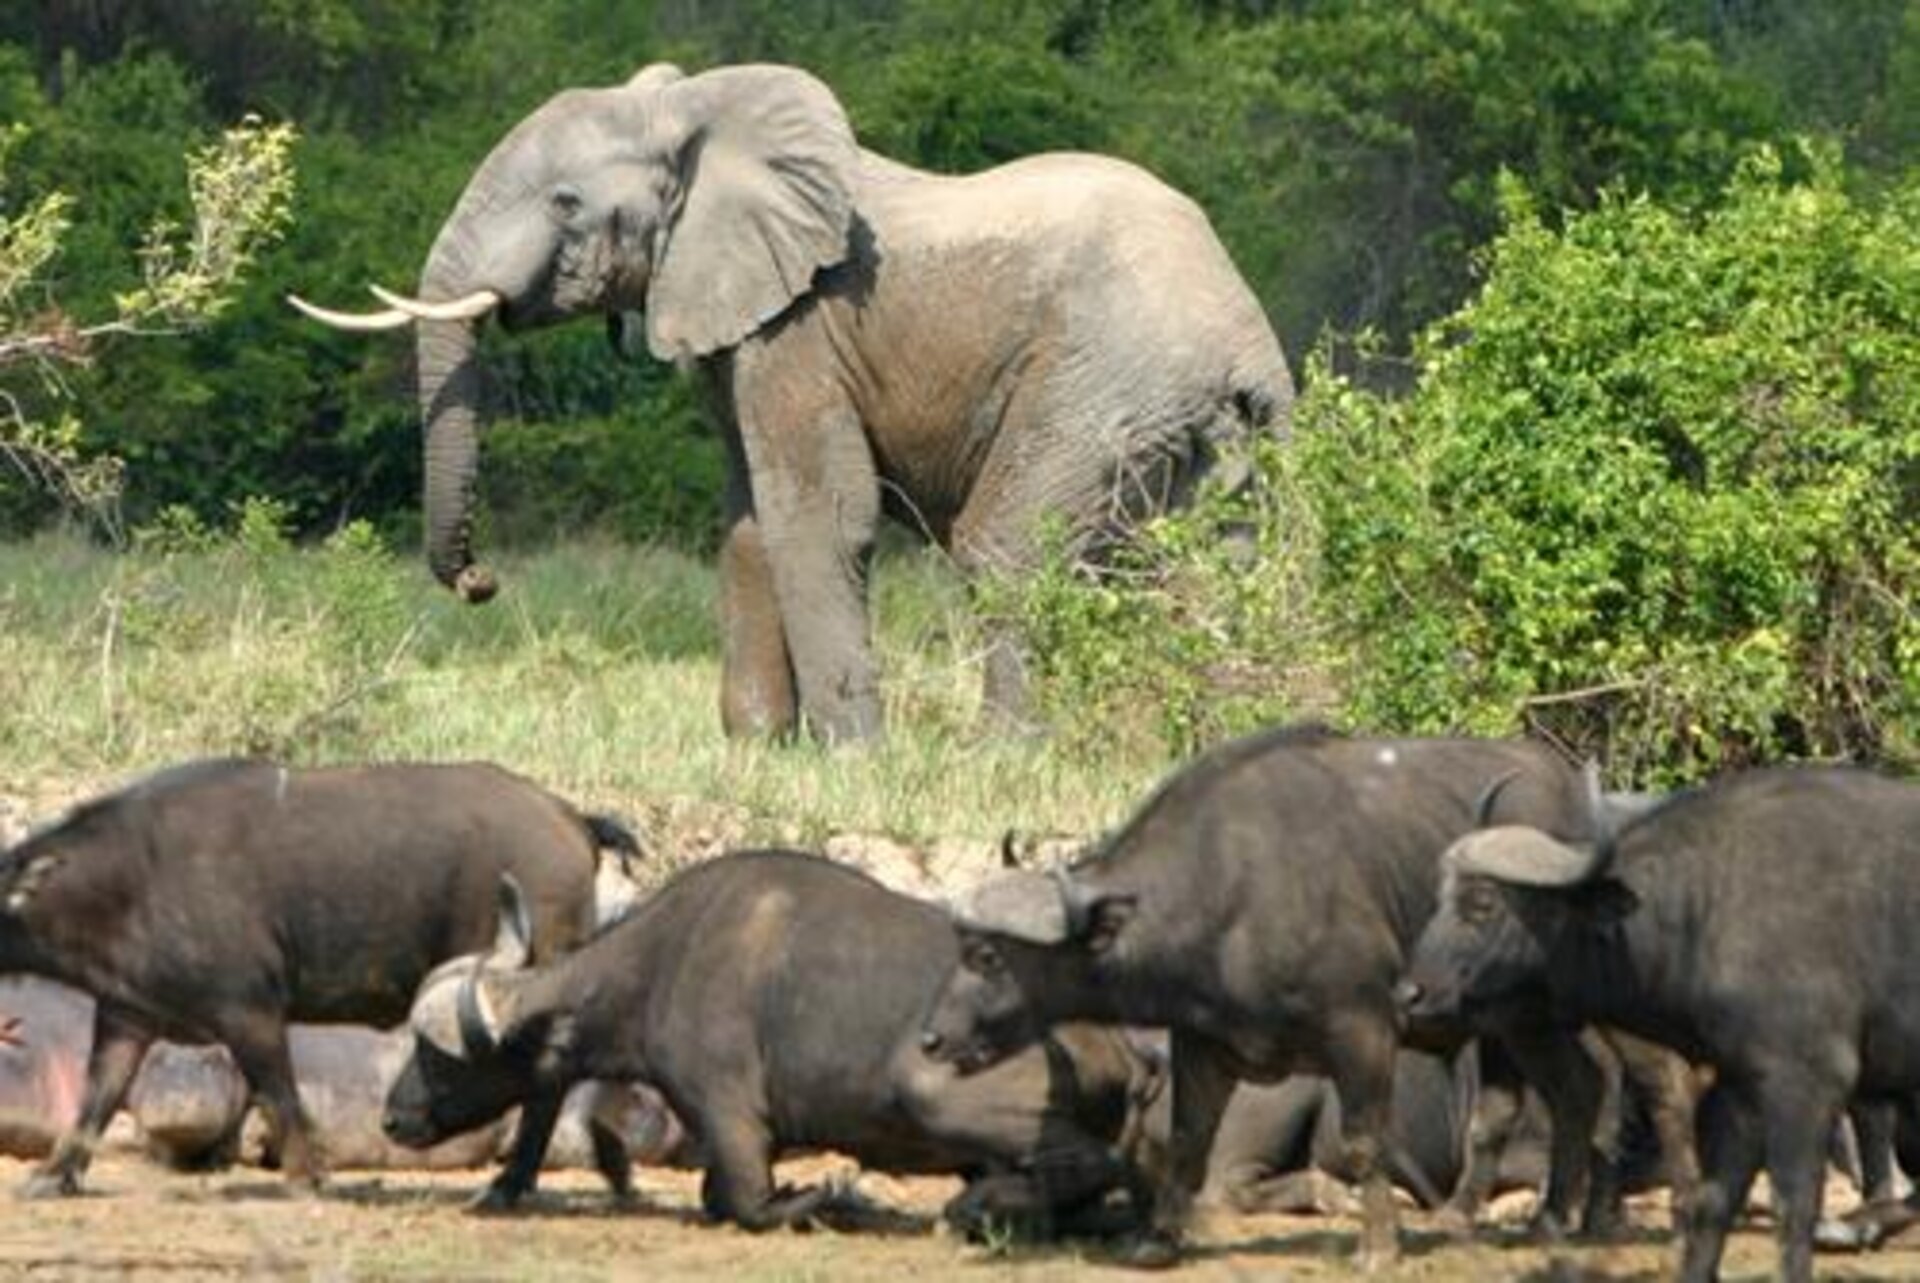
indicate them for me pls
(239, 189)
(1656, 494)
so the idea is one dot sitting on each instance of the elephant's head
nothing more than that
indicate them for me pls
(709, 202)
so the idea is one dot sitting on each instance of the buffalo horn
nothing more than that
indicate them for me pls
(1489, 796)
(1519, 854)
(476, 1033)
(1025, 905)
(1601, 816)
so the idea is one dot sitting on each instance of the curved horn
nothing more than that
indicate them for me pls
(1075, 903)
(391, 319)
(476, 1031)
(1009, 850)
(1522, 855)
(1484, 804)
(1600, 817)
(473, 305)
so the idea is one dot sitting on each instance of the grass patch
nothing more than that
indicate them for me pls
(596, 672)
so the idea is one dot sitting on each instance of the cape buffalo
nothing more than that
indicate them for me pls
(1763, 924)
(774, 999)
(217, 901)
(1261, 906)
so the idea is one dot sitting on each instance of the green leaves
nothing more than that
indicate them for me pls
(1662, 458)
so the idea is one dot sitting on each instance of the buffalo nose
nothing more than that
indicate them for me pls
(1407, 993)
(930, 1042)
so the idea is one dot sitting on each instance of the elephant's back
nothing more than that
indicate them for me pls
(1069, 195)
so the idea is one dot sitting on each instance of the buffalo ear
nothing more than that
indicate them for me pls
(1106, 918)
(765, 161)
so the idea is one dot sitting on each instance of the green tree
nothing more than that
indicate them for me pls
(1658, 489)
(239, 189)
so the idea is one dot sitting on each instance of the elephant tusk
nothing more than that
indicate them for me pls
(391, 319)
(476, 304)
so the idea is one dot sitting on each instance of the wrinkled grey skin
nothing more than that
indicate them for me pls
(774, 1000)
(1763, 925)
(218, 901)
(1261, 905)
(1061, 337)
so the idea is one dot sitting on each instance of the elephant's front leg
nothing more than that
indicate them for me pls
(816, 499)
(756, 676)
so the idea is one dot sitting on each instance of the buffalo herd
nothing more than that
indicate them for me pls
(1311, 971)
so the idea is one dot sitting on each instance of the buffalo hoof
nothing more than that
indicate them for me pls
(1605, 1227)
(1547, 1228)
(43, 1185)
(796, 1208)
(1455, 1222)
(1839, 1235)
(1374, 1258)
(1150, 1251)
(496, 1199)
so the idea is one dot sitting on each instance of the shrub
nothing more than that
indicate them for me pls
(1656, 494)
(1658, 489)
(1204, 626)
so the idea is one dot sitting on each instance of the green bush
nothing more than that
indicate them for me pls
(1204, 626)
(1658, 491)
(1656, 494)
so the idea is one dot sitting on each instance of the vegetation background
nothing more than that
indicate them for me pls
(1605, 312)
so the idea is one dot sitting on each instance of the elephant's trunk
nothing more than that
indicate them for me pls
(449, 400)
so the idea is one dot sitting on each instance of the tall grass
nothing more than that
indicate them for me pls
(595, 672)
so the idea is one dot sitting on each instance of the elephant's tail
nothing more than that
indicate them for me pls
(1262, 395)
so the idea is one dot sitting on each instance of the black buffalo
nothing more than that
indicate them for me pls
(774, 999)
(1261, 906)
(1764, 925)
(216, 902)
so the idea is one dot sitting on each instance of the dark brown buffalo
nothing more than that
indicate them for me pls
(1764, 925)
(1261, 906)
(216, 902)
(774, 999)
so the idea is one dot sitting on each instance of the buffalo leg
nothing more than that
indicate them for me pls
(739, 1185)
(1570, 1083)
(1672, 1088)
(260, 1050)
(1799, 1124)
(1203, 1076)
(517, 1179)
(1498, 1097)
(1873, 1133)
(1011, 1117)
(1361, 1052)
(1729, 1141)
(119, 1044)
(610, 1160)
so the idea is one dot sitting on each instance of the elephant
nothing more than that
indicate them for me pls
(1058, 342)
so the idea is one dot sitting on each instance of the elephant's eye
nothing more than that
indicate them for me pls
(566, 202)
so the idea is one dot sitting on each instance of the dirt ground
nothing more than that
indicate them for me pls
(140, 1222)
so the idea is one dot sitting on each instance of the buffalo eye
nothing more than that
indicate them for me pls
(982, 958)
(566, 202)
(1478, 903)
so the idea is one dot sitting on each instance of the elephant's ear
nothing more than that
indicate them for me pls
(766, 163)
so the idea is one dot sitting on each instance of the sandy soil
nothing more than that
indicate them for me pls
(140, 1222)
